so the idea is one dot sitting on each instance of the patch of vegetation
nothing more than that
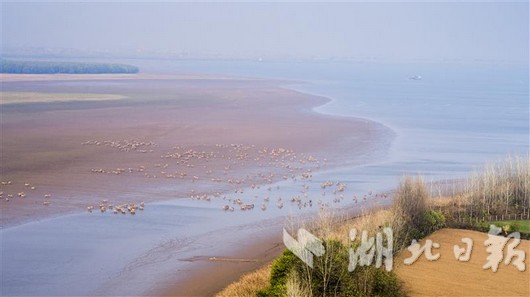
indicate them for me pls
(501, 190)
(329, 276)
(249, 284)
(432, 220)
(281, 268)
(44, 67)
(522, 226)
(411, 216)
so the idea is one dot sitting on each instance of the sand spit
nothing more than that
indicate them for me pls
(33, 97)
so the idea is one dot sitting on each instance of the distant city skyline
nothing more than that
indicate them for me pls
(490, 31)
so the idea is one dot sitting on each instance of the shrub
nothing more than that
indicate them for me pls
(410, 200)
(330, 276)
(433, 220)
(373, 281)
(281, 268)
(409, 212)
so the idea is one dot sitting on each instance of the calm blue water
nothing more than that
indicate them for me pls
(447, 124)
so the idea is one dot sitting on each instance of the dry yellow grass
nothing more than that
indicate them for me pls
(249, 284)
(369, 222)
(449, 277)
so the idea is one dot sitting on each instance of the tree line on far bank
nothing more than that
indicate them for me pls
(46, 67)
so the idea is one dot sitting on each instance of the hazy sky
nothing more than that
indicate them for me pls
(492, 31)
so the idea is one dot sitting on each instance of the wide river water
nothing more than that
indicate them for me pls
(446, 124)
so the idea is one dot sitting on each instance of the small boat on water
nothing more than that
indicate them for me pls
(416, 77)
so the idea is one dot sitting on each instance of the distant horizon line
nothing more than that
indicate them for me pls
(263, 58)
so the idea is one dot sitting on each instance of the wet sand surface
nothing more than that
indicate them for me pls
(186, 147)
(63, 149)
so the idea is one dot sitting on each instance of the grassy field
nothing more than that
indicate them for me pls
(520, 225)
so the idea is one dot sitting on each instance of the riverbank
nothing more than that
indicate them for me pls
(446, 222)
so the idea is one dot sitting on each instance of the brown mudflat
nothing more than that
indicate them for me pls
(83, 152)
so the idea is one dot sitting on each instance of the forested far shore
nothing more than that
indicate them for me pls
(46, 67)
